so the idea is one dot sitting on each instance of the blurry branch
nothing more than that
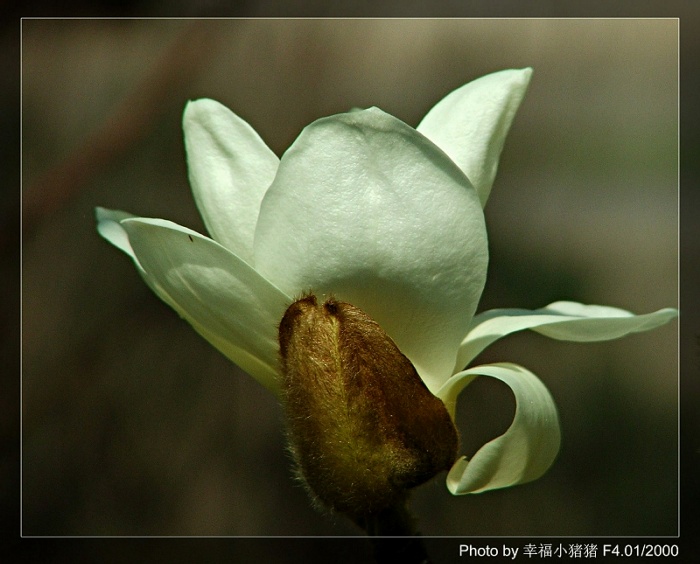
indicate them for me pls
(130, 121)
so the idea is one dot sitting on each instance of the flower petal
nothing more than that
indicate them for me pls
(367, 209)
(109, 227)
(230, 168)
(471, 123)
(565, 321)
(525, 451)
(223, 298)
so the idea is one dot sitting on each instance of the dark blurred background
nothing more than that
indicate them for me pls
(134, 425)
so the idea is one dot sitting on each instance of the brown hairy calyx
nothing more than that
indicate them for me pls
(363, 427)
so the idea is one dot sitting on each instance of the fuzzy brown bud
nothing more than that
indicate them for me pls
(363, 426)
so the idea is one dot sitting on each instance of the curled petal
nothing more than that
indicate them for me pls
(221, 296)
(230, 168)
(367, 209)
(565, 321)
(471, 124)
(525, 451)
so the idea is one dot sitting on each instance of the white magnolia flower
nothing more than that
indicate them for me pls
(383, 216)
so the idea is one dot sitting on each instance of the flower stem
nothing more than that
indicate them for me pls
(405, 546)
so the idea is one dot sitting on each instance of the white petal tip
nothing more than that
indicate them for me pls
(109, 227)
